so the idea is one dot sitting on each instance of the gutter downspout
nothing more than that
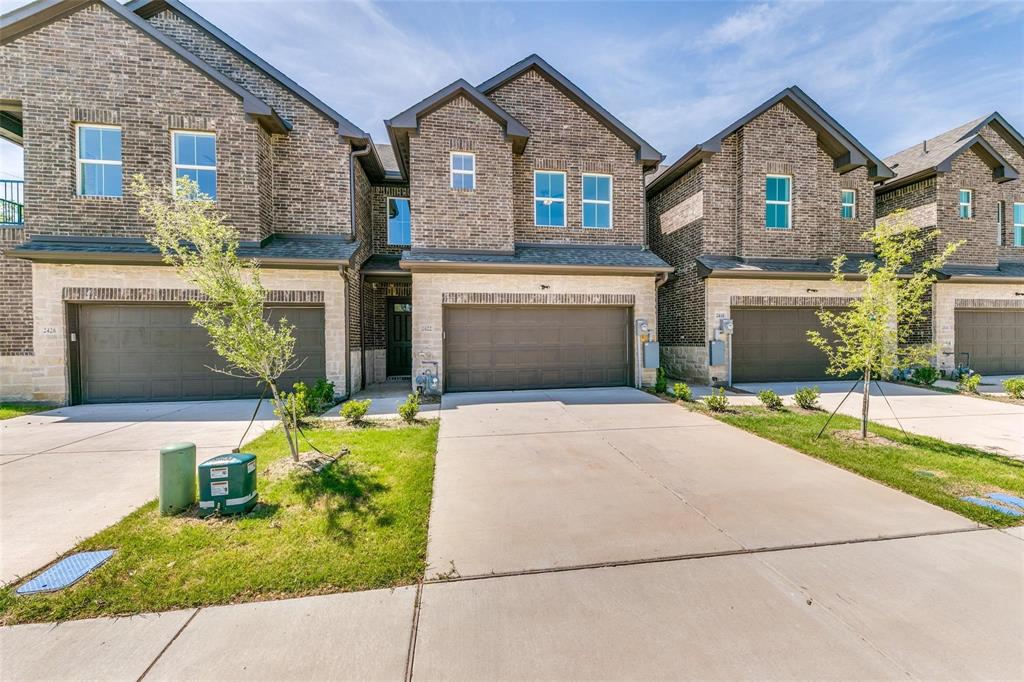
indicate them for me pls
(343, 271)
(359, 281)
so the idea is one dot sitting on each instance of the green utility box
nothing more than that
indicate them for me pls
(227, 483)
(177, 477)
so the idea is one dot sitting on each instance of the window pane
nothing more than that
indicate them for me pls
(111, 144)
(784, 188)
(208, 183)
(111, 180)
(89, 143)
(589, 187)
(846, 212)
(1018, 236)
(557, 186)
(771, 189)
(603, 215)
(557, 213)
(468, 161)
(186, 173)
(92, 180)
(541, 213)
(206, 152)
(1018, 214)
(541, 185)
(550, 185)
(398, 222)
(589, 215)
(184, 149)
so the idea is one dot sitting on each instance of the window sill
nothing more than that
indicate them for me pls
(96, 197)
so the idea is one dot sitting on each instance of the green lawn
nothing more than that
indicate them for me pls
(927, 468)
(11, 410)
(361, 523)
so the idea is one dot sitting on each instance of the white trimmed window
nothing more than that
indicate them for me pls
(549, 199)
(848, 204)
(463, 166)
(1000, 221)
(399, 225)
(966, 209)
(597, 200)
(778, 202)
(99, 160)
(1018, 224)
(195, 158)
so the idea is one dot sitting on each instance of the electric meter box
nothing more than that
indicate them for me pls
(227, 484)
(716, 352)
(652, 355)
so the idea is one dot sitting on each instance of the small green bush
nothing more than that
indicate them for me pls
(410, 408)
(660, 382)
(682, 391)
(355, 410)
(770, 399)
(807, 397)
(1015, 387)
(717, 401)
(968, 383)
(321, 396)
(926, 375)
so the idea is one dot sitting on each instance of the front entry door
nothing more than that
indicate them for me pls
(399, 346)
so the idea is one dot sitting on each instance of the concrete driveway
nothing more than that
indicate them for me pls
(68, 473)
(984, 424)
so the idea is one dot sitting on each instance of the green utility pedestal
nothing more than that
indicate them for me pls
(177, 477)
(227, 483)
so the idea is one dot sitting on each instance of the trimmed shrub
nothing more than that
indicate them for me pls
(1015, 387)
(682, 391)
(410, 408)
(807, 397)
(770, 399)
(926, 375)
(355, 410)
(968, 383)
(321, 396)
(660, 382)
(717, 401)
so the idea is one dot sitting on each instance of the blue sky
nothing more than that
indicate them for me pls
(893, 73)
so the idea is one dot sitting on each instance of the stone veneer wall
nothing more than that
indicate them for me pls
(947, 297)
(429, 289)
(44, 376)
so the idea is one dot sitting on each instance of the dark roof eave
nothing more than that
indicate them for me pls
(50, 256)
(528, 268)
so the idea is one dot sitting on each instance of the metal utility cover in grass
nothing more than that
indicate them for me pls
(988, 504)
(66, 572)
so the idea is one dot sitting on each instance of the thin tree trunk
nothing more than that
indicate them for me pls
(285, 415)
(864, 406)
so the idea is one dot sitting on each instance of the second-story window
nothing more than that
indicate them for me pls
(99, 161)
(778, 204)
(399, 226)
(966, 210)
(463, 171)
(195, 158)
(549, 199)
(1018, 224)
(597, 200)
(848, 201)
(1000, 221)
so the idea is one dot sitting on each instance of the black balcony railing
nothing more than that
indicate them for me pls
(12, 202)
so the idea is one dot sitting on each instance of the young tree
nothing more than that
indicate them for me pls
(872, 337)
(203, 249)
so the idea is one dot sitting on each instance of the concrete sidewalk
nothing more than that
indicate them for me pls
(933, 607)
(68, 473)
(989, 425)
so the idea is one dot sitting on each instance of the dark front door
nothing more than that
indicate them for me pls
(399, 346)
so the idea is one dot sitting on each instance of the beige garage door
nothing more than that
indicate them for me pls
(994, 339)
(140, 353)
(770, 344)
(511, 347)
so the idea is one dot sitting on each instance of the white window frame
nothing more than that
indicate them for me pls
(776, 202)
(452, 171)
(565, 190)
(175, 165)
(388, 221)
(1018, 228)
(79, 160)
(1000, 221)
(961, 204)
(585, 201)
(843, 204)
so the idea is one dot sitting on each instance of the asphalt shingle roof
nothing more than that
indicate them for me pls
(386, 153)
(735, 265)
(939, 148)
(535, 254)
(1010, 269)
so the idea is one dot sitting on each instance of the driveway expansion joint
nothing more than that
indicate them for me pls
(169, 643)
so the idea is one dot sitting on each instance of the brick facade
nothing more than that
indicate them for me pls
(15, 296)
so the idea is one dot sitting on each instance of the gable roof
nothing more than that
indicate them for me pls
(148, 8)
(645, 153)
(936, 154)
(846, 151)
(402, 124)
(37, 14)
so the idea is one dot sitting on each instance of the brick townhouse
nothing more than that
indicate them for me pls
(498, 242)
(966, 183)
(751, 220)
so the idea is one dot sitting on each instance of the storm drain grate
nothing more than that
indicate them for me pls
(65, 572)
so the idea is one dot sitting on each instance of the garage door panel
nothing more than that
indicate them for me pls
(496, 348)
(994, 340)
(154, 352)
(770, 344)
